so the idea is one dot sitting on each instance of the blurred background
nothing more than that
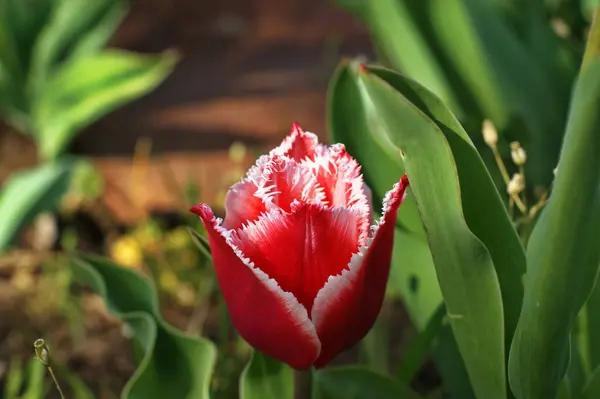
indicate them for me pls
(238, 73)
(116, 116)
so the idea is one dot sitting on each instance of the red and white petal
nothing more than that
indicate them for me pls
(267, 317)
(285, 181)
(242, 205)
(342, 183)
(298, 145)
(347, 306)
(302, 249)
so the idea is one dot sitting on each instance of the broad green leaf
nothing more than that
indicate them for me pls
(374, 348)
(564, 237)
(13, 379)
(419, 350)
(412, 274)
(35, 385)
(172, 364)
(348, 124)
(27, 193)
(355, 382)
(266, 378)
(592, 329)
(408, 51)
(73, 23)
(465, 269)
(87, 88)
(496, 68)
(20, 25)
(490, 223)
(592, 387)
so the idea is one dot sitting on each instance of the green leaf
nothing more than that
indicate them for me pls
(592, 388)
(404, 44)
(14, 379)
(591, 346)
(36, 386)
(495, 67)
(355, 382)
(349, 124)
(266, 378)
(490, 223)
(87, 88)
(463, 264)
(418, 351)
(412, 276)
(564, 236)
(202, 243)
(172, 364)
(27, 193)
(76, 27)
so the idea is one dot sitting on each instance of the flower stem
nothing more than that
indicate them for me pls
(43, 355)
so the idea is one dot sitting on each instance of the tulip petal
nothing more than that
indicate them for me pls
(267, 317)
(302, 249)
(299, 144)
(338, 175)
(285, 181)
(242, 205)
(347, 306)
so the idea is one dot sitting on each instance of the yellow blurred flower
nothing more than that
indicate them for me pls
(185, 296)
(178, 238)
(168, 281)
(126, 251)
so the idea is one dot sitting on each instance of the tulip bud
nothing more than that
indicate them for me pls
(490, 135)
(516, 185)
(296, 252)
(518, 154)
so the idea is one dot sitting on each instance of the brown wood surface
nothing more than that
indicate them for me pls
(249, 69)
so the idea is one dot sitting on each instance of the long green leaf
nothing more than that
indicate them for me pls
(563, 255)
(73, 22)
(266, 378)
(511, 88)
(90, 87)
(490, 223)
(412, 275)
(592, 388)
(349, 124)
(463, 264)
(173, 365)
(399, 35)
(419, 350)
(354, 382)
(27, 193)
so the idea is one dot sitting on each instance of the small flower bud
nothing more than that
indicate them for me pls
(518, 154)
(490, 135)
(516, 184)
(41, 351)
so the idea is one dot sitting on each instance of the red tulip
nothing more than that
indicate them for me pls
(301, 265)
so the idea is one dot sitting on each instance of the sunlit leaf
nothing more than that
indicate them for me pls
(172, 364)
(266, 378)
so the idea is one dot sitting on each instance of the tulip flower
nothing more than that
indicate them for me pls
(301, 265)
